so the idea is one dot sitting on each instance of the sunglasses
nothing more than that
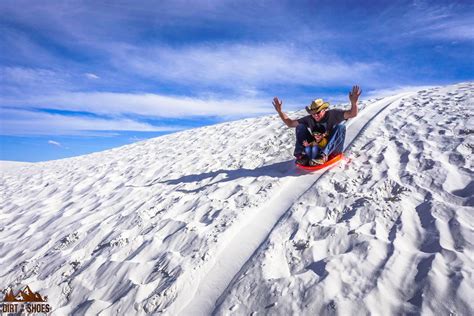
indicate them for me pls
(317, 113)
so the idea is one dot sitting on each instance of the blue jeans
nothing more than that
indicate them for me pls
(302, 134)
(312, 151)
(336, 142)
(334, 146)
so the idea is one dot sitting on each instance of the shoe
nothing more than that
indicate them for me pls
(302, 160)
(321, 160)
(312, 162)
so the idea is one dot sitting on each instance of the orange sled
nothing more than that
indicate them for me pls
(331, 161)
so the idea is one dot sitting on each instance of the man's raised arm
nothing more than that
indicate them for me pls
(353, 97)
(289, 122)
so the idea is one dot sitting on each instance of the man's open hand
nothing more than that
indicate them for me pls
(354, 94)
(277, 104)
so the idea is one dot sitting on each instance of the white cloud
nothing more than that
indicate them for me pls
(454, 31)
(91, 76)
(154, 105)
(21, 122)
(55, 143)
(34, 80)
(136, 139)
(437, 22)
(244, 66)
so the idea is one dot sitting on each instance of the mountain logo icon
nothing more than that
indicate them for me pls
(23, 296)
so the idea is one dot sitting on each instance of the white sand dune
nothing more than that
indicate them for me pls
(219, 220)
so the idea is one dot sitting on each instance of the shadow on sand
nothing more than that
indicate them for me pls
(276, 170)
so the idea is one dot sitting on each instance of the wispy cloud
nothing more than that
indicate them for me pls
(31, 81)
(245, 65)
(22, 122)
(458, 30)
(91, 76)
(424, 20)
(54, 143)
(440, 23)
(113, 104)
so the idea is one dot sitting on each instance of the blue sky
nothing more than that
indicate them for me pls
(83, 76)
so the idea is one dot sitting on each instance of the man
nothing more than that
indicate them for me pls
(319, 114)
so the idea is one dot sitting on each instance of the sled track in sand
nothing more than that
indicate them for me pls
(203, 294)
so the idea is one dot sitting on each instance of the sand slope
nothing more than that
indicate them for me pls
(391, 234)
(166, 225)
